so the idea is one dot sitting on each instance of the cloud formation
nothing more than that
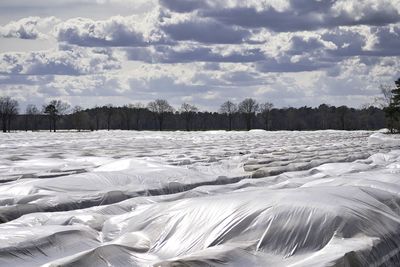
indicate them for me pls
(294, 15)
(28, 28)
(58, 62)
(290, 52)
(206, 31)
(115, 31)
(196, 53)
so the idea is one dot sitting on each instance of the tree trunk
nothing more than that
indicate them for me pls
(342, 121)
(138, 122)
(391, 126)
(187, 124)
(9, 124)
(248, 122)
(160, 121)
(4, 124)
(35, 127)
(26, 123)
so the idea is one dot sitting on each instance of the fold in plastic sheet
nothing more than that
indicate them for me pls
(336, 214)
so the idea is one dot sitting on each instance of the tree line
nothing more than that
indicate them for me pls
(246, 115)
(160, 115)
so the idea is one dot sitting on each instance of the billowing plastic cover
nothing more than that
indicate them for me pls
(326, 198)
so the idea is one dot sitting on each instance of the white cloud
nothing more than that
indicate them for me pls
(58, 62)
(116, 31)
(28, 28)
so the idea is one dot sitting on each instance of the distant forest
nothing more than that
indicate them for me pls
(246, 115)
(159, 115)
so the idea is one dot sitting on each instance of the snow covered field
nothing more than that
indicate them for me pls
(322, 198)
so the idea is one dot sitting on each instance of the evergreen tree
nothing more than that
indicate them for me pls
(393, 110)
(396, 95)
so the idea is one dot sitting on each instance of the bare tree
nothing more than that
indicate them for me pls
(248, 107)
(109, 113)
(229, 109)
(8, 110)
(385, 102)
(128, 112)
(80, 118)
(98, 114)
(265, 109)
(160, 109)
(54, 110)
(126, 115)
(31, 117)
(188, 112)
(324, 111)
(342, 111)
(137, 110)
(13, 112)
(386, 98)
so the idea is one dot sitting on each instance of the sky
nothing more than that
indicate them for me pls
(289, 52)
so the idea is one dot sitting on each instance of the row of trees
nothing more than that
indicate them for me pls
(8, 110)
(159, 115)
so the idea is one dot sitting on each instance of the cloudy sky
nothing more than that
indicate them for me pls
(289, 52)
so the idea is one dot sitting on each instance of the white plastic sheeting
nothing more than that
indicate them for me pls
(206, 212)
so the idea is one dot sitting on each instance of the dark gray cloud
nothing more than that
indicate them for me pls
(388, 40)
(279, 21)
(206, 31)
(299, 16)
(117, 37)
(348, 43)
(292, 20)
(183, 6)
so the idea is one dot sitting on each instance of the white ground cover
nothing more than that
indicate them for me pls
(215, 198)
